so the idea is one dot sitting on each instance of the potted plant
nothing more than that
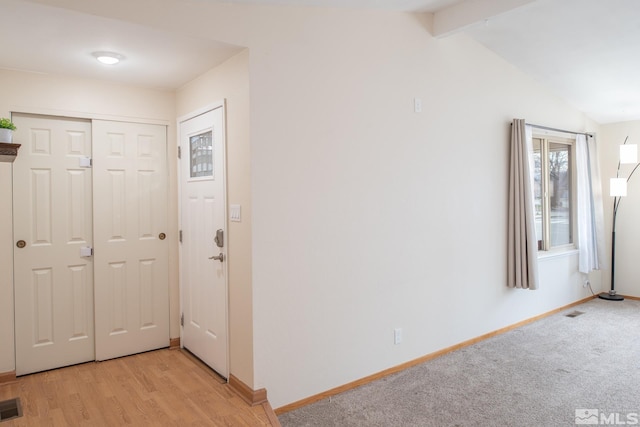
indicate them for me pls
(6, 130)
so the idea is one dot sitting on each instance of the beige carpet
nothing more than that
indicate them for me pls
(555, 372)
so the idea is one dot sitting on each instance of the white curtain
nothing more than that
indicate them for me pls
(522, 255)
(589, 209)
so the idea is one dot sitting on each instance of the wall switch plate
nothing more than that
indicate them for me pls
(235, 213)
(417, 105)
(397, 336)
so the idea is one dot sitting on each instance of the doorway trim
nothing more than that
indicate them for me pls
(70, 114)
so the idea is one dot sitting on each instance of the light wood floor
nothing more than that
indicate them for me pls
(158, 388)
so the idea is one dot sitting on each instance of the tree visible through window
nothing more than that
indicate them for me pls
(553, 186)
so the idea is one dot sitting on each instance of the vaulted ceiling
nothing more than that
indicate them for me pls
(586, 51)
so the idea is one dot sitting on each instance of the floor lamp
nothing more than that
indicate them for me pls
(618, 189)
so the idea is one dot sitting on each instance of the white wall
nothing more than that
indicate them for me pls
(367, 216)
(627, 271)
(230, 81)
(42, 94)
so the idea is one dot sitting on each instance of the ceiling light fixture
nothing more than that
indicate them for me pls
(108, 58)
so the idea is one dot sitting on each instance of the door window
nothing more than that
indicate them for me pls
(201, 150)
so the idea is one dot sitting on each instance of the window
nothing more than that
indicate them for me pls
(554, 192)
(201, 155)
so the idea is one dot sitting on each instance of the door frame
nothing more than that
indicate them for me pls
(203, 110)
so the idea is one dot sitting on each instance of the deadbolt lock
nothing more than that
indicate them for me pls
(219, 239)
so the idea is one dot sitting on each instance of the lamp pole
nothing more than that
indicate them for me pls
(611, 295)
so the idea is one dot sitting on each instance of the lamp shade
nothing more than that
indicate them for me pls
(629, 153)
(618, 187)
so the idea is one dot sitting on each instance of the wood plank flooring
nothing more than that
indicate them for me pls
(158, 388)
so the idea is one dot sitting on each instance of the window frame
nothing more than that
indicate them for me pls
(544, 245)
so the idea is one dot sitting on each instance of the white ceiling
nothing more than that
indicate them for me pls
(586, 51)
(50, 40)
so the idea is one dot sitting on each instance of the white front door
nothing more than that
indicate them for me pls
(203, 278)
(131, 253)
(52, 224)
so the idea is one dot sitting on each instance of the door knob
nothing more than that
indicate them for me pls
(21, 244)
(218, 258)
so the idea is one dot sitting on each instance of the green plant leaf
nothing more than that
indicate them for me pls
(6, 124)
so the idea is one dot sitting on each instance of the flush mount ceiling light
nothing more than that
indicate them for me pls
(108, 58)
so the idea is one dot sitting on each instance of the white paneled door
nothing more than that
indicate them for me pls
(131, 262)
(52, 224)
(73, 304)
(204, 239)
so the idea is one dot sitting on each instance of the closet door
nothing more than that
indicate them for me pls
(131, 253)
(53, 269)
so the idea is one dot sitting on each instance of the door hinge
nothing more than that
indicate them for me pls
(180, 236)
(182, 319)
(179, 152)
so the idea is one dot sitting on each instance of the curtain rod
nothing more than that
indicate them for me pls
(559, 130)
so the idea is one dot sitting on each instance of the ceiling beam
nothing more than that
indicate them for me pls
(463, 15)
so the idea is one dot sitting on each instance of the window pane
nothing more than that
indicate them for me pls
(560, 194)
(201, 152)
(537, 188)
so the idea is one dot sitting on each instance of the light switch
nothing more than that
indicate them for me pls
(417, 105)
(235, 213)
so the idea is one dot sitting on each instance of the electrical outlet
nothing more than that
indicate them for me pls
(586, 283)
(397, 336)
